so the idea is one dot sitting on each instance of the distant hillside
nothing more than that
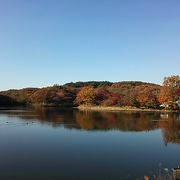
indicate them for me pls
(133, 83)
(65, 95)
(101, 93)
(21, 96)
(94, 84)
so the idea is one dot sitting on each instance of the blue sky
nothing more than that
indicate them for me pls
(46, 42)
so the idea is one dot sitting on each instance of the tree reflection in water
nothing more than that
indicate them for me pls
(169, 123)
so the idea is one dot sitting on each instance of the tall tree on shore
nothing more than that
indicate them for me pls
(172, 81)
(170, 90)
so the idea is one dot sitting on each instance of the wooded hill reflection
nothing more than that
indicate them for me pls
(169, 123)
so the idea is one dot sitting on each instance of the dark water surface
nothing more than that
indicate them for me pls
(54, 144)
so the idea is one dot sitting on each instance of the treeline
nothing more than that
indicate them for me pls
(101, 93)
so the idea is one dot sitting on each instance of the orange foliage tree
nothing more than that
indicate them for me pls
(170, 90)
(165, 94)
(148, 96)
(86, 96)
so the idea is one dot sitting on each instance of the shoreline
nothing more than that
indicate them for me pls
(119, 109)
(97, 108)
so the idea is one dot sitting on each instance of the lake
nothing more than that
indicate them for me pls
(56, 144)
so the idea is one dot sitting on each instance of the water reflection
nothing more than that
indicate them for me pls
(169, 123)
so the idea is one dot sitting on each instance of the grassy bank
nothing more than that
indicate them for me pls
(104, 108)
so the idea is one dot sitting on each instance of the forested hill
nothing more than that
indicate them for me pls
(98, 84)
(94, 84)
(101, 93)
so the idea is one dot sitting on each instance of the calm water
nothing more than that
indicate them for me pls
(53, 144)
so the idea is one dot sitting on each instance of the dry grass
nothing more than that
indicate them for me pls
(126, 108)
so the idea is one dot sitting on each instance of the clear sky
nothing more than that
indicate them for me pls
(46, 42)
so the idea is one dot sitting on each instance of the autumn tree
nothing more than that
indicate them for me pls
(86, 96)
(129, 100)
(53, 96)
(148, 96)
(170, 90)
(176, 94)
(106, 98)
(165, 95)
(172, 81)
